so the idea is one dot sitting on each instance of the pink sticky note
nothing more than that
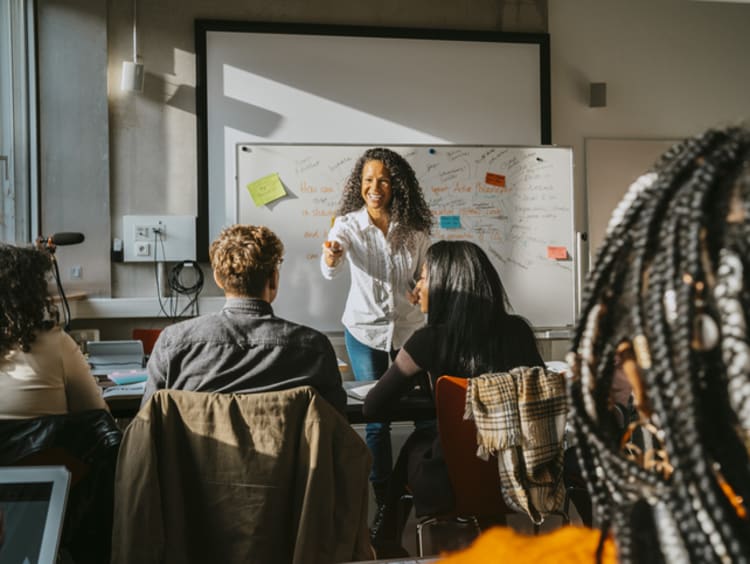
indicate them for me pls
(557, 253)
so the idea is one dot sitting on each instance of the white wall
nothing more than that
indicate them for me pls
(153, 135)
(673, 68)
(74, 135)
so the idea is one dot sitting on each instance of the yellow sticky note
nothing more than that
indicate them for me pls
(266, 189)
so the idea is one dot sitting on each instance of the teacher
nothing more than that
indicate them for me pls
(382, 230)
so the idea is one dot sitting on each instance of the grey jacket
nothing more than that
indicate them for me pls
(244, 348)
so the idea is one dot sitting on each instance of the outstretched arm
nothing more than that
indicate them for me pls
(397, 381)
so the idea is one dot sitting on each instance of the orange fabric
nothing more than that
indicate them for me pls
(565, 545)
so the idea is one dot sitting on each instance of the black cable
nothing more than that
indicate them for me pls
(157, 236)
(176, 284)
(66, 307)
(180, 288)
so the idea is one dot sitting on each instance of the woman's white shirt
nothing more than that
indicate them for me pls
(377, 312)
(52, 378)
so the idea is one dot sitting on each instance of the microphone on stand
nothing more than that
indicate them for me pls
(60, 239)
(49, 244)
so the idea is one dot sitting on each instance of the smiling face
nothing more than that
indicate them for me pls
(376, 187)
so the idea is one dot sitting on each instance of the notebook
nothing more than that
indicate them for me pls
(32, 503)
(360, 392)
(106, 357)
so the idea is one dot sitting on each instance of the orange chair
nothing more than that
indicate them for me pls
(475, 482)
(147, 337)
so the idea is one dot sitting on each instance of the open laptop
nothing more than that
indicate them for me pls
(106, 357)
(32, 503)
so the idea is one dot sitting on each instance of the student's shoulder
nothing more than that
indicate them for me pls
(351, 221)
(304, 334)
(519, 323)
(194, 326)
(422, 340)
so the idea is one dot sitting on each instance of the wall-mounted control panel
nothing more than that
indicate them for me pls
(158, 238)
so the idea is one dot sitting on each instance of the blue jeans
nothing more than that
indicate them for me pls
(370, 364)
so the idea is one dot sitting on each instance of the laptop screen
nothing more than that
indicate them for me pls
(32, 507)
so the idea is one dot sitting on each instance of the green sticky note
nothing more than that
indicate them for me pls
(266, 189)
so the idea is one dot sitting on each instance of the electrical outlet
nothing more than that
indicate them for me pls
(143, 249)
(171, 238)
(160, 230)
(142, 232)
(76, 272)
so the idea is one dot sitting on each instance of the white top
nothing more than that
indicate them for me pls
(377, 312)
(51, 379)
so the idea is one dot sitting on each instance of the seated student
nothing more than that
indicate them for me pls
(669, 297)
(244, 347)
(42, 370)
(469, 332)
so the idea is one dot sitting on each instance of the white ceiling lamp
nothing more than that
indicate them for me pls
(132, 71)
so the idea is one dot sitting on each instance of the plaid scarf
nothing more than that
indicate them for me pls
(520, 417)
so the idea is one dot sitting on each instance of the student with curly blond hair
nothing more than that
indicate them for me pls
(245, 347)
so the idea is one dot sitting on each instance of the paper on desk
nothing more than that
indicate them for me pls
(360, 392)
(126, 391)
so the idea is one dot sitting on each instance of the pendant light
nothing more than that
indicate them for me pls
(132, 71)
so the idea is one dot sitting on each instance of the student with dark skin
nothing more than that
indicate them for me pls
(382, 232)
(469, 332)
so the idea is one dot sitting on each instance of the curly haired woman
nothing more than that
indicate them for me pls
(382, 230)
(42, 371)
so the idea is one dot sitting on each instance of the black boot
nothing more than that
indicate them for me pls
(380, 489)
(386, 531)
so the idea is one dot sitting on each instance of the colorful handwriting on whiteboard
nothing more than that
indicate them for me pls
(450, 222)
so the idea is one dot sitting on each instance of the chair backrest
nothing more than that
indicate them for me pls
(147, 337)
(87, 444)
(475, 482)
(261, 477)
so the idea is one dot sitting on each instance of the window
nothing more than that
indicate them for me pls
(18, 140)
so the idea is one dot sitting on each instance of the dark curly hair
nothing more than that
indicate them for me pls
(25, 304)
(408, 209)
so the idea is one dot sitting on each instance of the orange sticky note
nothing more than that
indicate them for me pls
(495, 179)
(557, 253)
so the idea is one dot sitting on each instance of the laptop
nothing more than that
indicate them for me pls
(106, 357)
(32, 503)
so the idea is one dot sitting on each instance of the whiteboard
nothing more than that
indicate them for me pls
(283, 83)
(515, 224)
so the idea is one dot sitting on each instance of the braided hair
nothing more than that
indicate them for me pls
(671, 284)
(408, 209)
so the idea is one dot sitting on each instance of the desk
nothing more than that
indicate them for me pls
(409, 408)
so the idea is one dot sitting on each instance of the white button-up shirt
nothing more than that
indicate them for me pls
(377, 312)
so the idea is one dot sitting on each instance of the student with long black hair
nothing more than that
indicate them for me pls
(469, 332)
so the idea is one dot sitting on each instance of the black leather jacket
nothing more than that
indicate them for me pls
(87, 443)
